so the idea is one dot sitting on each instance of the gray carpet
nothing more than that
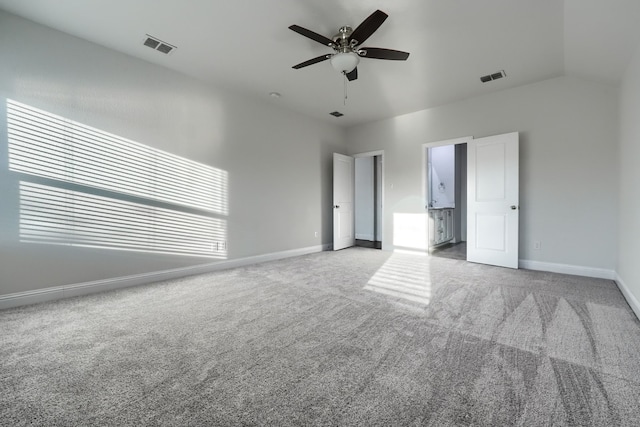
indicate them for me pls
(356, 337)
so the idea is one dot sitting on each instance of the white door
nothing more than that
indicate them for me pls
(492, 200)
(343, 201)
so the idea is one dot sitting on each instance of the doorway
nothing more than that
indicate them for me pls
(446, 197)
(368, 199)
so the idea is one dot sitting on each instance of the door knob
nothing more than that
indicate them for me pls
(514, 207)
(337, 206)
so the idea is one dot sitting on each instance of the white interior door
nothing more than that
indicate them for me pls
(493, 200)
(343, 201)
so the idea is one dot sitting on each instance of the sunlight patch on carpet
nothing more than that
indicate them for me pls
(405, 276)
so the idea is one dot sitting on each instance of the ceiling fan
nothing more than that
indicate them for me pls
(347, 46)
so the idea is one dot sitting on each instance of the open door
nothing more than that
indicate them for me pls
(493, 200)
(343, 201)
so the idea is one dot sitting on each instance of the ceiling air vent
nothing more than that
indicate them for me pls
(151, 43)
(495, 76)
(164, 48)
(337, 114)
(158, 44)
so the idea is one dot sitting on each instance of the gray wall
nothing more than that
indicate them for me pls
(278, 162)
(460, 214)
(365, 214)
(368, 197)
(379, 196)
(628, 268)
(568, 163)
(442, 176)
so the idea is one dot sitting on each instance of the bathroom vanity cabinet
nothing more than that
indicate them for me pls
(440, 226)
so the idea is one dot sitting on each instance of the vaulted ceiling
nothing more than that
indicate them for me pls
(247, 46)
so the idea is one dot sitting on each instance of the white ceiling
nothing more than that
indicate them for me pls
(246, 45)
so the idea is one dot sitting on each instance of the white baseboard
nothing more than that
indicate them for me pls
(631, 299)
(365, 237)
(67, 291)
(577, 270)
(31, 297)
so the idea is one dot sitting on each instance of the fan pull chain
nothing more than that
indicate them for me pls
(345, 88)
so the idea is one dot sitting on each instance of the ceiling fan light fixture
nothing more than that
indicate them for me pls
(345, 62)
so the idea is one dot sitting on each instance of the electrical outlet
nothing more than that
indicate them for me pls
(537, 245)
(315, 234)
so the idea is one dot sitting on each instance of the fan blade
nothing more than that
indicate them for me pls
(312, 61)
(368, 26)
(313, 36)
(353, 75)
(380, 53)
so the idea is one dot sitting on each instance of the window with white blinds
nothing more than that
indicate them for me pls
(96, 189)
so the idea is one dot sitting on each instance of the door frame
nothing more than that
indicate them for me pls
(382, 196)
(425, 169)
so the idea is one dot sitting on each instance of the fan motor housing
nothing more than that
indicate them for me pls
(342, 38)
